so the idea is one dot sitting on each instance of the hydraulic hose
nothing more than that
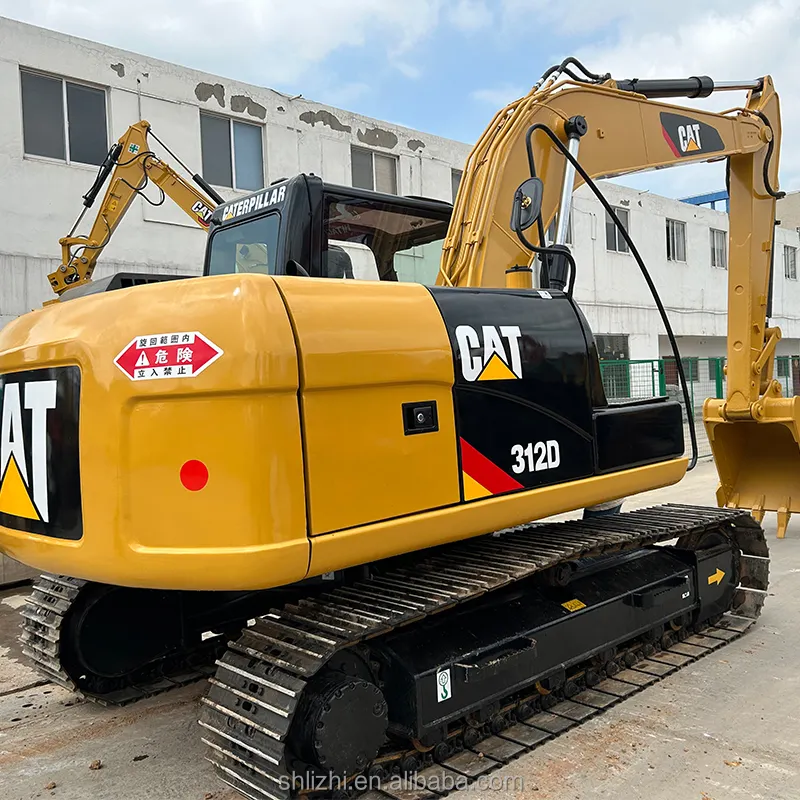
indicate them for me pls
(640, 262)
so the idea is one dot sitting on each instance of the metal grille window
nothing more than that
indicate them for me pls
(676, 240)
(783, 366)
(455, 181)
(790, 262)
(232, 153)
(719, 249)
(63, 120)
(614, 367)
(612, 348)
(374, 171)
(614, 239)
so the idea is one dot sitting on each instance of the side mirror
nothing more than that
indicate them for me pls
(527, 204)
(296, 269)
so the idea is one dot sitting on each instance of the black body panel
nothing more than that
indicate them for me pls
(637, 434)
(715, 588)
(529, 400)
(521, 378)
(40, 489)
(119, 280)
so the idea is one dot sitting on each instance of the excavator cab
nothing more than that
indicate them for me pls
(303, 226)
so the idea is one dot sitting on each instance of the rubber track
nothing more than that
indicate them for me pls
(42, 620)
(249, 707)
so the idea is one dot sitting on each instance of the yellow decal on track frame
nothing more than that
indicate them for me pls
(716, 577)
(574, 605)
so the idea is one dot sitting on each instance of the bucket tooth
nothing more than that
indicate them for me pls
(784, 516)
(758, 510)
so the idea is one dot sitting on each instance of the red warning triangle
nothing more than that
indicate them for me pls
(14, 497)
(142, 360)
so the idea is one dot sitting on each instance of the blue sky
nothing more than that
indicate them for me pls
(445, 66)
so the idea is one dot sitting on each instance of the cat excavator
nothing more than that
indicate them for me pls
(330, 493)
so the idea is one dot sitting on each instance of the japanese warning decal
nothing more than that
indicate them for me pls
(167, 355)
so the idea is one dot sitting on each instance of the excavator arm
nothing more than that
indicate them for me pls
(132, 165)
(616, 128)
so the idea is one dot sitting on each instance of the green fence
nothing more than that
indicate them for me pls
(638, 380)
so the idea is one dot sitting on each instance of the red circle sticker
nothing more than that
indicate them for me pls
(194, 475)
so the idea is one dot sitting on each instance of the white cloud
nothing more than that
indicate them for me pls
(272, 42)
(469, 15)
(574, 17)
(499, 96)
(726, 39)
(406, 68)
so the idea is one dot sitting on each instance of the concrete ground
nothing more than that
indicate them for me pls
(723, 728)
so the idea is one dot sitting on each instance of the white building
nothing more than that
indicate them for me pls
(685, 248)
(63, 100)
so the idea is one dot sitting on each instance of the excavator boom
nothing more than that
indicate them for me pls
(625, 132)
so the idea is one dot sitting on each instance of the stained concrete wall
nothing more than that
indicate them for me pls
(788, 211)
(41, 197)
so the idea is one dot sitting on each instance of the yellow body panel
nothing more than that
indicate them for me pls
(239, 416)
(440, 526)
(361, 467)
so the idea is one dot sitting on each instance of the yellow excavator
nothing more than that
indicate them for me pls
(325, 491)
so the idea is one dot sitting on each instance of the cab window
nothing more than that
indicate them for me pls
(248, 247)
(369, 240)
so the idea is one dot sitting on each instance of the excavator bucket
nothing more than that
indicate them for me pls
(758, 461)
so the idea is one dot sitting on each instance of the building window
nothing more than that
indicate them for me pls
(615, 370)
(676, 240)
(232, 153)
(63, 120)
(550, 233)
(614, 239)
(719, 249)
(374, 171)
(790, 262)
(455, 181)
(783, 366)
(612, 348)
